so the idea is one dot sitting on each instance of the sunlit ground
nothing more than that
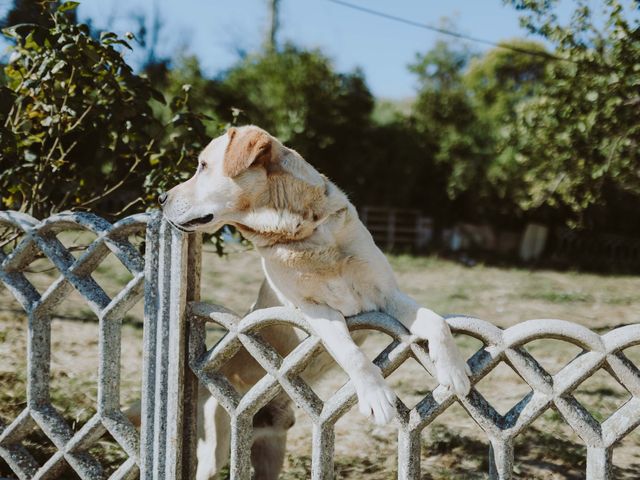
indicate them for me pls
(453, 446)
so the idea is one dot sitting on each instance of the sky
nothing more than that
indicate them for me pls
(216, 30)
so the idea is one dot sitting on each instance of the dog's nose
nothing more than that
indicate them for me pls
(162, 198)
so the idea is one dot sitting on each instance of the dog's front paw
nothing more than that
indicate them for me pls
(375, 397)
(451, 369)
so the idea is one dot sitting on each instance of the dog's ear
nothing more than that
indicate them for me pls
(247, 147)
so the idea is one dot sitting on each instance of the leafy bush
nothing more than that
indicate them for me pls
(77, 129)
(578, 139)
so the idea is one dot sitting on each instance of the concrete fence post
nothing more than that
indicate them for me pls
(599, 463)
(170, 388)
(500, 459)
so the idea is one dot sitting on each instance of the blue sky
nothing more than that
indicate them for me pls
(215, 30)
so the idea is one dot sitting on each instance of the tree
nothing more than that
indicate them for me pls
(504, 76)
(34, 12)
(498, 82)
(77, 126)
(578, 138)
(452, 132)
(325, 115)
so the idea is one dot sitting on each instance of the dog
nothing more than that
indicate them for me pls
(317, 257)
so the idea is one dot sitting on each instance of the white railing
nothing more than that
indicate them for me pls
(177, 361)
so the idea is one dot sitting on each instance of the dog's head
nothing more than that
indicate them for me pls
(242, 175)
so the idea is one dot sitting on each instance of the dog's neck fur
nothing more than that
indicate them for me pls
(297, 201)
(269, 225)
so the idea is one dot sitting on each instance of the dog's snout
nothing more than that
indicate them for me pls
(162, 198)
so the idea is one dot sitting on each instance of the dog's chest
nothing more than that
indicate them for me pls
(329, 277)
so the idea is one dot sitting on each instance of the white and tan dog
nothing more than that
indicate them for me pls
(317, 257)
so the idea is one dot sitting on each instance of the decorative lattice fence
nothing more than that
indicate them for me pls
(177, 361)
(36, 239)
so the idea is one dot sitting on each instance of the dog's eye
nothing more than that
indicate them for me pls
(203, 165)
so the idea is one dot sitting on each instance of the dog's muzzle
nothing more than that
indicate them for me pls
(198, 221)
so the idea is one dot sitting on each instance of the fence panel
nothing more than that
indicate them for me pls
(548, 391)
(177, 361)
(37, 239)
(397, 228)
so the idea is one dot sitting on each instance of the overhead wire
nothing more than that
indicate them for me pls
(448, 32)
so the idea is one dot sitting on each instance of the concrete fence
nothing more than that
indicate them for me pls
(177, 361)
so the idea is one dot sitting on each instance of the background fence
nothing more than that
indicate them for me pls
(601, 251)
(397, 228)
(408, 230)
(177, 360)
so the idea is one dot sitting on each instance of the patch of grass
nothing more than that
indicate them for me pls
(75, 399)
(548, 454)
(405, 262)
(458, 296)
(110, 454)
(561, 449)
(604, 392)
(298, 467)
(554, 416)
(13, 394)
(448, 455)
(443, 440)
(622, 300)
(554, 296)
(120, 274)
(499, 295)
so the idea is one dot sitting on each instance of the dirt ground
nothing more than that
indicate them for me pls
(454, 447)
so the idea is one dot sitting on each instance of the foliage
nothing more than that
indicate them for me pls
(451, 129)
(578, 139)
(35, 12)
(552, 136)
(504, 76)
(326, 116)
(77, 128)
(501, 137)
(498, 82)
(329, 118)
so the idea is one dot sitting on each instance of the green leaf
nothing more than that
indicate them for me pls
(158, 96)
(66, 6)
(106, 35)
(58, 66)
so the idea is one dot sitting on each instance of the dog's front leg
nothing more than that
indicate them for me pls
(213, 436)
(451, 369)
(374, 395)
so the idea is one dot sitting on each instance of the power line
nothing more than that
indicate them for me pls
(444, 31)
